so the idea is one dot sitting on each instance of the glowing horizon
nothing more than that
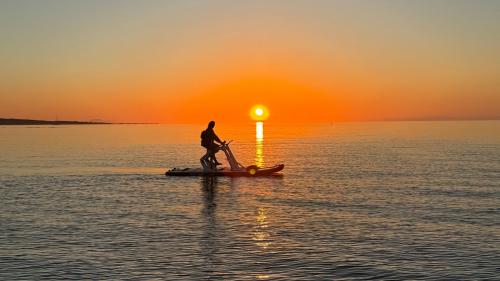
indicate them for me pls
(191, 61)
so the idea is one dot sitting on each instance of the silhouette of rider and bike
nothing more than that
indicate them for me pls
(209, 141)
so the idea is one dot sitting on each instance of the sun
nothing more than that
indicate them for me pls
(259, 112)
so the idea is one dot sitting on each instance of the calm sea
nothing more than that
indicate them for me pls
(357, 201)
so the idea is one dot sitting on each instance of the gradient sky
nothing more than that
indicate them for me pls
(191, 61)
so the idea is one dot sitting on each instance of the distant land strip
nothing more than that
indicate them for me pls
(13, 121)
(439, 118)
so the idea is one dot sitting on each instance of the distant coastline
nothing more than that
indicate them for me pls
(15, 121)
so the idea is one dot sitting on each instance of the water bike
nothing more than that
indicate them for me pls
(235, 169)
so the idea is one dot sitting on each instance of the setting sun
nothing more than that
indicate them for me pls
(154, 117)
(259, 112)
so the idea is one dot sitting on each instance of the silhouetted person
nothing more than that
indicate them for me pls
(208, 139)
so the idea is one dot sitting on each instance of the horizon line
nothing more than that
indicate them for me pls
(104, 122)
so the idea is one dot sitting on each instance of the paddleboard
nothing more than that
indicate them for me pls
(251, 171)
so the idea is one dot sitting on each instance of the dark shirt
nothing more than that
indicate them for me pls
(212, 136)
(208, 137)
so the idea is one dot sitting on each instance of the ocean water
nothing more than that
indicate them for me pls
(356, 201)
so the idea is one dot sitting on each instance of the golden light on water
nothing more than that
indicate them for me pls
(261, 236)
(259, 112)
(259, 153)
(259, 144)
(259, 130)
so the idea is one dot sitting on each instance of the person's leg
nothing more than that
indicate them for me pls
(205, 160)
(214, 149)
(211, 160)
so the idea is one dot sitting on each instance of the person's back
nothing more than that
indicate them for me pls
(205, 139)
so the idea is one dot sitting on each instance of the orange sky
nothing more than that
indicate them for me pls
(192, 61)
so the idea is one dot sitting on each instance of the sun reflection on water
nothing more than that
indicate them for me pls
(259, 144)
(261, 236)
(259, 130)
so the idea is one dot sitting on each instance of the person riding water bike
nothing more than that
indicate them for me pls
(208, 139)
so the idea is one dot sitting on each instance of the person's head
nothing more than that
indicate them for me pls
(211, 124)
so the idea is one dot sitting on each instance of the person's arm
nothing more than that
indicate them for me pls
(216, 138)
